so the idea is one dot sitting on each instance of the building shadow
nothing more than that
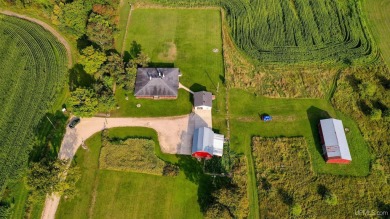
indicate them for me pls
(198, 87)
(314, 115)
(161, 65)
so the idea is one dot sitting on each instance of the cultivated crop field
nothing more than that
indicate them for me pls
(299, 30)
(33, 69)
(293, 31)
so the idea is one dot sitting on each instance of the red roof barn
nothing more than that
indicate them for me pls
(334, 142)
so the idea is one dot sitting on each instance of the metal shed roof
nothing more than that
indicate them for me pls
(334, 138)
(203, 98)
(204, 139)
(157, 82)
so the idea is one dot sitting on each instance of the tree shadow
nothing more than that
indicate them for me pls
(285, 197)
(135, 49)
(353, 82)
(322, 191)
(191, 168)
(84, 42)
(383, 207)
(384, 82)
(314, 115)
(379, 105)
(222, 78)
(79, 78)
(364, 107)
(207, 184)
(49, 133)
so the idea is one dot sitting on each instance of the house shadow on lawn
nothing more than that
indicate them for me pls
(161, 65)
(314, 115)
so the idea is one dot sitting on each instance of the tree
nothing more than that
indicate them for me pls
(74, 17)
(47, 177)
(99, 30)
(367, 89)
(142, 60)
(92, 59)
(83, 102)
(114, 67)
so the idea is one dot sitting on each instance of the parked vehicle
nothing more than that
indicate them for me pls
(74, 122)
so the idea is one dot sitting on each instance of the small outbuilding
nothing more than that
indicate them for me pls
(157, 83)
(206, 143)
(203, 100)
(334, 142)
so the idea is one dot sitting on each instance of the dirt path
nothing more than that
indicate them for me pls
(174, 135)
(185, 88)
(48, 28)
(127, 27)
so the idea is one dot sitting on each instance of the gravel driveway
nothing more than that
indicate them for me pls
(174, 135)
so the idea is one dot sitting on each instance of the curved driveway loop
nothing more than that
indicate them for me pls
(174, 135)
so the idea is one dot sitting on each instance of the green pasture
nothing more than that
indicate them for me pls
(117, 194)
(181, 38)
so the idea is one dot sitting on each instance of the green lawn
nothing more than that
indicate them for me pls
(151, 108)
(294, 117)
(123, 13)
(182, 38)
(116, 194)
(377, 12)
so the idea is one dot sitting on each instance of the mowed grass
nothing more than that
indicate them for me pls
(377, 12)
(151, 108)
(116, 194)
(181, 38)
(294, 117)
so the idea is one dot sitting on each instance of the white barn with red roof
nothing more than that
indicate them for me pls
(334, 142)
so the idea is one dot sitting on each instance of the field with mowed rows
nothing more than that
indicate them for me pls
(33, 69)
(296, 30)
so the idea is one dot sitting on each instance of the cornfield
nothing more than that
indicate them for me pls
(295, 30)
(33, 70)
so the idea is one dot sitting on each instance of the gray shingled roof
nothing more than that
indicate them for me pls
(203, 98)
(157, 82)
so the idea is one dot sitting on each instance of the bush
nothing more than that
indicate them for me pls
(170, 170)
(376, 114)
(296, 210)
(331, 199)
